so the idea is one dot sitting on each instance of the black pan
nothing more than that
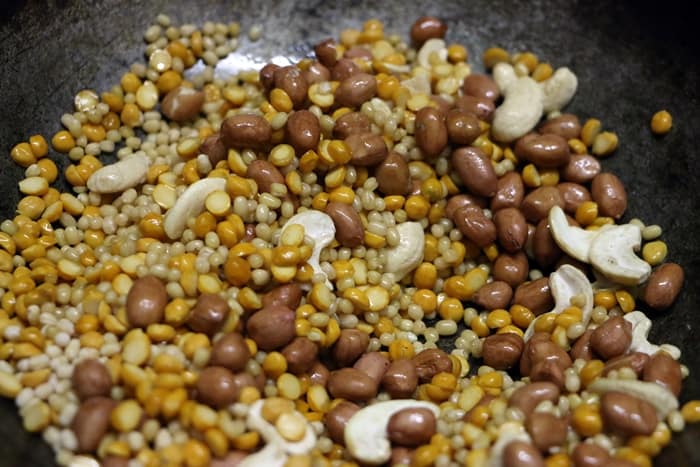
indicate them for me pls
(631, 59)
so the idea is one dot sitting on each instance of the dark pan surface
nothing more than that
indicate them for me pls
(631, 60)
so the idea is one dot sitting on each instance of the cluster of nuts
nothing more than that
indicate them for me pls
(265, 274)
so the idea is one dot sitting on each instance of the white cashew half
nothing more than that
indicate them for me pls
(641, 325)
(504, 75)
(507, 433)
(574, 241)
(271, 455)
(408, 254)
(612, 253)
(269, 433)
(558, 89)
(320, 228)
(190, 204)
(661, 398)
(120, 176)
(419, 83)
(429, 47)
(566, 283)
(520, 111)
(365, 432)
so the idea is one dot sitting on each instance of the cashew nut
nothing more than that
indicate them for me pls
(558, 89)
(612, 253)
(640, 332)
(661, 398)
(504, 75)
(408, 254)
(574, 241)
(419, 83)
(269, 433)
(319, 227)
(365, 432)
(83, 461)
(122, 175)
(271, 455)
(190, 204)
(507, 433)
(566, 283)
(520, 111)
(431, 46)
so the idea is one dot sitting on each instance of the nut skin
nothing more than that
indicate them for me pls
(343, 69)
(246, 131)
(351, 123)
(511, 268)
(612, 338)
(582, 168)
(482, 86)
(427, 27)
(527, 397)
(319, 374)
(351, 344)
(521, 454)
(374, 364)
(348, 225)
(91, 379)
(214, 148)
(209, 314)
(430, 362)
(475, 170)
(510, 192)
(482, 108)
(264, 173)
(356, 89)
(462, 127)
(567, 126)
(547, 151)
(537, 203)
(627, 415)
(91, 422)
(336, 419)
(608, 191)
(392, 174)
(548, 370)
(663, 286)
(544, 248)
(400, 380)
(300, 354)
(512, 229)
(635, 360)
(288, 295)
(267, 76)
(230, 351)
(496, 294)
(459, 201)
(663, 370)
(540, 349)
(473, 223)
(411, 427)
(145, 303)
(535, 296)
(217, 387)
(502, 351)
(317, 73)
(582, 347)
(589, 455)
(352, 384)
(430, 131)
(573, 195)
(182, 104)
(546, 430)
(366, 149)
(272, 327)
(326, 52)
(303, 131)
(292, 81)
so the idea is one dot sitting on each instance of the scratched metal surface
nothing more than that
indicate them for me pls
(631, 59)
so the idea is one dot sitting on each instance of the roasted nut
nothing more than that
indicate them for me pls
(462, 127)
(264, 174)
(521, 454)
(209, 314)
(230, 351)
(351, 123)
(145, 303)
(326, 52)
(352, 384)
(401, 455)
(547, 151)
(91, 422)
(91, 379)
(366, 149)
(502, 351)
(374, 365)
(459, 201)
(535, 296)
(541, 349)
(343, 69)
(475, 170)
(612, 338)
(427, 27)
(350, 345)
(481, 86)
(473, 223)
(217, 387)
(482, 108)
(664, 371)
(182, 104)
(291, 80)
(511, 268)
(411, 427)
(511, 228)
(303, 131)
(348, 225)
(548, 370)
(356, 89)
(319, 374)
(214, 148)
(272, 327)
(392, 174)
(547, 431)
(627, 415)
(496, 294)
(544, 248)
(317, 73)
(430, 131)
(527, 397)
(573, 195)
(582, 347)
(300, 354)
(400, 379)
(288, 295)
(582, 168)
(267, 76)
(246, 131)
(663, 286)
(430, 362)
(510, 192)
(635, 361)
(336, 419)
(537, 203)
(590, 455)
(565, 125)
(608, 191)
